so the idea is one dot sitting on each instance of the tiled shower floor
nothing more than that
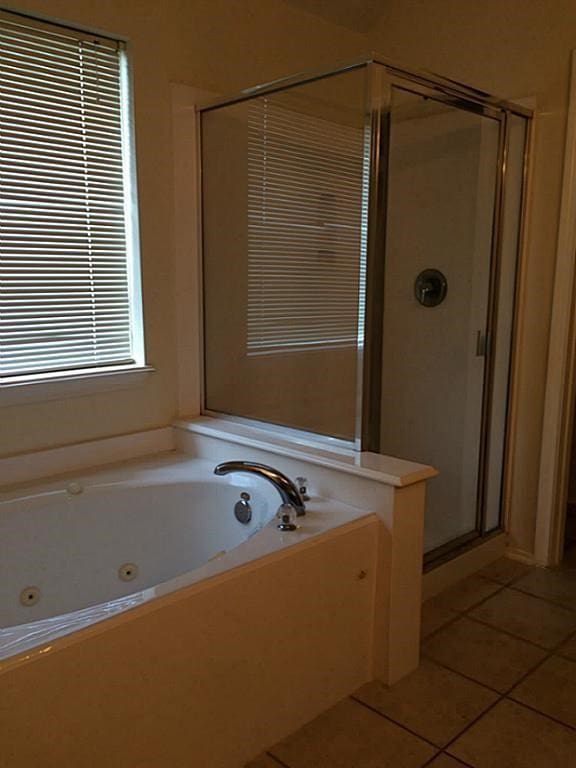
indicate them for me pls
(496, 687)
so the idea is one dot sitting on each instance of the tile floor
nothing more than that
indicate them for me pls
(496, 687)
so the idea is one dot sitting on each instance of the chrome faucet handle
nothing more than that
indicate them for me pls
(285, 512)
(302, 483)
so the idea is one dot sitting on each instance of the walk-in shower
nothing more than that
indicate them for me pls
(361, 230)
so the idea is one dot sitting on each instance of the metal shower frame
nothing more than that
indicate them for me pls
(382, 76)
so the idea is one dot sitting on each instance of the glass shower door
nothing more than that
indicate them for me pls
(438, 289)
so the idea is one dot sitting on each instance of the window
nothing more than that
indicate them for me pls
(306, 230)
(69, 279)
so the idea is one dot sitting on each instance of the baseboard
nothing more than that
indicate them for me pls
(522, 556)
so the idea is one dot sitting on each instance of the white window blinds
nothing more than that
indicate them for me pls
(65, 274)
(306, 230)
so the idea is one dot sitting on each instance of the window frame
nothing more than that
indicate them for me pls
(76, 381)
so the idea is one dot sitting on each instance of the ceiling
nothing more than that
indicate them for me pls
(357, 15)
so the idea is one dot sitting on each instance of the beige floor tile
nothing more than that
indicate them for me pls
(504, 570)
(483, 653)
(466, 593)
(527, 617)
(551, 689)
(445, 761)
(511, 736)
(558, 585)
(263, 761)
(569, 648)
(351, 736)
(435, 614)
(434, 702)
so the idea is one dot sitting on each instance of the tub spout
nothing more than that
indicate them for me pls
(285, 487)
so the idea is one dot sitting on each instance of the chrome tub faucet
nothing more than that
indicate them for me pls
(289, 493)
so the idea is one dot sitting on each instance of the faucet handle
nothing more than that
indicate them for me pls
(285, 512)
(302, 482)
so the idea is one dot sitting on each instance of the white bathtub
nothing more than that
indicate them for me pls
(80, 549)
(228, 638)
(71, 541)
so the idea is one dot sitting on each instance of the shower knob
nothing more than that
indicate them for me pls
(430, 287)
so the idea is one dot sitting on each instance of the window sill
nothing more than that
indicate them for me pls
(77, 384)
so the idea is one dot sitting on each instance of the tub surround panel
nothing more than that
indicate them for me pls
(36, 638)
(397, 501)
(214, 677)
(405, 561)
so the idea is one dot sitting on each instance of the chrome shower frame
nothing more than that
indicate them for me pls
(382, 76)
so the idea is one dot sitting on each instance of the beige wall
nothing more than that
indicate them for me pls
(514, 48)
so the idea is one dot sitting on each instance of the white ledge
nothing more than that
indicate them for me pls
(374, 466)
(75, 384)
(33, 466)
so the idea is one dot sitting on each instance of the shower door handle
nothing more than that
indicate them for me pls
(481, 343)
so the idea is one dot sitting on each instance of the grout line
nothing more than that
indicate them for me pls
(459, 759)
(564, 656)
(460, 612)
(550, 654)
(540, 712)
(513, 580)
(448, 623)
(507, 691)
(462, 674)
(527, 674)
(555, 603)
(391, 720)
(473, 722)
(478, 603)
(549, 650)
(431, 760)
(571, 636)
(475, 605)
(562, 642)
(276, 759)
(510, 634)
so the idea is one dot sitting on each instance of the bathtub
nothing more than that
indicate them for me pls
(93, 540)
(78, 550)
(100, 560)
(145, 626)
